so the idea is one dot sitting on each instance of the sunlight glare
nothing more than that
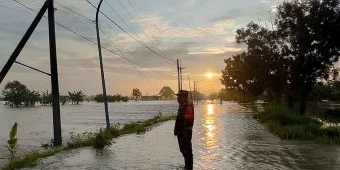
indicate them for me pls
(209, 75)
(210, 109)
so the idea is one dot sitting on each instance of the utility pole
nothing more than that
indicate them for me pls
(179, 81)
(54, 76)
(191, 97)
(195, 97)
(101, 68)
(180, 73)
(22, 42)
(48, 5)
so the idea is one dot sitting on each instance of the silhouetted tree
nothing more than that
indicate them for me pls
(99, 98)
(15, 93)
(31, 98)
(63, 99)
(136, 93)
(258, 69)
(310, 30)
(166, 93)
(46, 98)
(76, 97)
(288, 60)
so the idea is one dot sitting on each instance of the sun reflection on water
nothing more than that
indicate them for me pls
(209, 135)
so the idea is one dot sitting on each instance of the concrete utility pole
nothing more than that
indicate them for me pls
(48, 5)
(22, 42)
(54, 76)
(101, 68)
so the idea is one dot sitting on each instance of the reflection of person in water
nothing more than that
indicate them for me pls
(183, 127)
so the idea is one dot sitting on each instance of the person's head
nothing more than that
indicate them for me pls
(182, 96)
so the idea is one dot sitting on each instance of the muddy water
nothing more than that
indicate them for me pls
(225, 137)
(36, 123)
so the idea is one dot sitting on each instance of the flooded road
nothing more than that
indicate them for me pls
(225, 137)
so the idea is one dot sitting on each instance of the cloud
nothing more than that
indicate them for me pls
(162, 29)
(216, 50)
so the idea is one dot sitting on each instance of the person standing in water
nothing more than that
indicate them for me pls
(183, 127)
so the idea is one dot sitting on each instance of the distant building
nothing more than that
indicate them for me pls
(150, 98)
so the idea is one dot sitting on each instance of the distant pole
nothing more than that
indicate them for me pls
(180, 75)
(192, 99)
(54, 76)
(101, 68)
(195, 94)
(179, 84)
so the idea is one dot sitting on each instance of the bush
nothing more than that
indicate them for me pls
(289, 124)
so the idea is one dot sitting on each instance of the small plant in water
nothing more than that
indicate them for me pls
(12, 142)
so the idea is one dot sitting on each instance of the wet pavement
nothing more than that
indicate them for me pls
(225, 137)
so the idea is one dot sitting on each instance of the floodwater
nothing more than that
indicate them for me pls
(36, 123)
(225, 137)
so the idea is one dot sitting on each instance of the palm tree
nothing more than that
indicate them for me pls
(76, 97)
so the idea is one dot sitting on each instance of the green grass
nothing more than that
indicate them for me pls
(97, 140)
(288, 124)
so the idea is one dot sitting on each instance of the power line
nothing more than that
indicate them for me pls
(81, 15)
(120, 18)
(139, 16)
(141, 43)
(102, 31)
(94, 43)
(140, 25)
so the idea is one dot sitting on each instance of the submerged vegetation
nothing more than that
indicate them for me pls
(289, 124)
(12, 142)
(97, 140)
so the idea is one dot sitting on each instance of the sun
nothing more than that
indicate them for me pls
(209, 75)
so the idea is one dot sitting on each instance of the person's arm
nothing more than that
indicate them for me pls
(179, 122)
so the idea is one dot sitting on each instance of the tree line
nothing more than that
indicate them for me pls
(16, 94)
(290, 60)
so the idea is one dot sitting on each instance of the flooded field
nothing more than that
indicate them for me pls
(36, 123)
(225, 137)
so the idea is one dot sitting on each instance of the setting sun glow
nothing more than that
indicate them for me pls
(209, 75)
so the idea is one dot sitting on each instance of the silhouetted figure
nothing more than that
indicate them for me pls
(183, 127)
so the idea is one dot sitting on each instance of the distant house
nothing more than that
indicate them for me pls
(150, 98)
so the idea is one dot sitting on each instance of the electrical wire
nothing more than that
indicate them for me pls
(102, 31)
(94, 43)
(145, 25)
(140, 42)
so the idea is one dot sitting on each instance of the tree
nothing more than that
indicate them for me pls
(46, 98)
(136, 93)
(76, 97)
(166, 93)
(31, 98)
(288, 60)
(17, 95)
(99, 98)
(258, 69)
(311, 31)
(63, 99)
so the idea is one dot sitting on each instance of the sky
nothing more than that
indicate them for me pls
(200, 33)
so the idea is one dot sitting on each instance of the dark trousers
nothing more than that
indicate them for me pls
(185, 147)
